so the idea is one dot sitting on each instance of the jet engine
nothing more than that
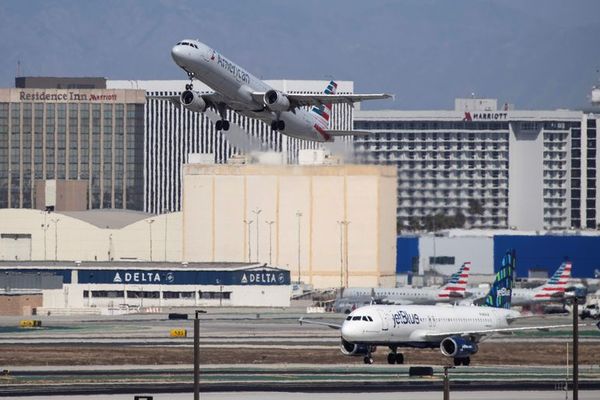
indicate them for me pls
(351, 349)
(193, 101)
(276, 101)
(458, 347)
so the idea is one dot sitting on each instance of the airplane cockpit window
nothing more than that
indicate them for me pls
(356, 318)
(348, 318)
(370, 319)
(364, 318)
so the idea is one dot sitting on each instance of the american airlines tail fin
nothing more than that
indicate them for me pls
(500, 293)
(556, 285)
(324, 110)
(457, 285)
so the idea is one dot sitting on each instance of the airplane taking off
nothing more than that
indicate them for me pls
(453, 290)
(238, 90)
(552, 290)
(455, 330)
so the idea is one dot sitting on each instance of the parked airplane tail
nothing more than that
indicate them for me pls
(457, 285)
(500, 293)
(556, 285)
(324, 110)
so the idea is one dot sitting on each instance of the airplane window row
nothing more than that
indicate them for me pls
(358, 318)
(188, 44)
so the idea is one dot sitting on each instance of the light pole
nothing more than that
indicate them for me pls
(341, 224)
(299, 215)
(150, 221)
(257, 213)
(248, 223)
(45, 227)
(197, 355)
(345, 223)
(55, 220)
(270, 223)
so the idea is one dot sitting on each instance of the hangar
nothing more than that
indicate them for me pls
(113, 287)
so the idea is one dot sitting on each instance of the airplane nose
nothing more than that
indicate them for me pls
(349, 332)
(178, 53)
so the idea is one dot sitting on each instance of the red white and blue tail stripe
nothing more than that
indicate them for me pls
(324, 111)
(556, 285)
(457, 285)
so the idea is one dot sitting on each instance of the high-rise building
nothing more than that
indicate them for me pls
(172, 133)
(95, 135)
(498, 168)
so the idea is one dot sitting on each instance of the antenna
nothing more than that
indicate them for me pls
(18, 68)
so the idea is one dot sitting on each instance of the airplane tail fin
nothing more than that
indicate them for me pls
(556, 285)
(324, 110)
(457, 285)
(500, 293)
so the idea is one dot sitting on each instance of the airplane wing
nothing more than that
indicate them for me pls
(332, 132)
(300, 100)
(327, 324)
(211, 98)
(433, 336)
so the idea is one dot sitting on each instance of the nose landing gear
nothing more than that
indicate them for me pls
(190, 86)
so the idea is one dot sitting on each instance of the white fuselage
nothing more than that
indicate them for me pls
(409, 326)
(403, 295)
(236, 85)
(519, 297)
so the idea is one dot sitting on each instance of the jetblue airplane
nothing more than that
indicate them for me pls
(238, 90)
(454, 290)
(455, 330)
(552, 290)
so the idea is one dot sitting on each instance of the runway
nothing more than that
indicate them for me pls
(282, 378)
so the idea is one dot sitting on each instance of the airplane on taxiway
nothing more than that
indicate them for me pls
(455, 330)
(238, 90)
(452, 291)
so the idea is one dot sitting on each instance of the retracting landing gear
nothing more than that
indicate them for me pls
(190, 86)
(278, 125)
(462, 361)
(394, 357)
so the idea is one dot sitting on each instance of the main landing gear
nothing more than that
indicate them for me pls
(394, 357)
(222, 124)
(462, 361)
(368, 359)
(278, 125)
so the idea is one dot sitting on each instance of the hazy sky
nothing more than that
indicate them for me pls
(537, 54)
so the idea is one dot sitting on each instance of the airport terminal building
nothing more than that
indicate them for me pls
(121, 286)
(528, 170)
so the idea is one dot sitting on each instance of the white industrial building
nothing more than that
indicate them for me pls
(172, 134)
(110, 287)
(531, 170)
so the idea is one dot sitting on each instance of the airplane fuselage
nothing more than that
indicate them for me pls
(237, 85)
(408, 326)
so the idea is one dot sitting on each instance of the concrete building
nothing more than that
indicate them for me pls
(172, 134)
(115, 287)
(531, 170)
(329, 225)
(92, 135)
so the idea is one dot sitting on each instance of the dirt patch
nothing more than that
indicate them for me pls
(489, 353)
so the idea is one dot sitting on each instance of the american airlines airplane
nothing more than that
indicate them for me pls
(238, 90)
(455, 330)
(452, 291)
(552, 290)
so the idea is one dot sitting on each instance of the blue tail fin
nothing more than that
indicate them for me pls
(500, 293)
